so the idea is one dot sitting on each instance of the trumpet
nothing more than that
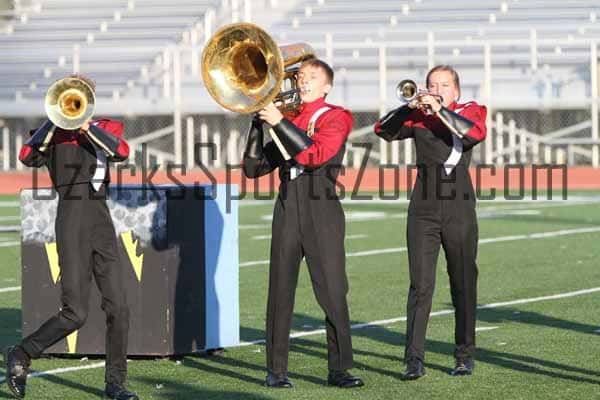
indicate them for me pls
(69, 103)
(407, 91)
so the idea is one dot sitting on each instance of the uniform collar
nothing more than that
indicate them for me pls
(312, 106)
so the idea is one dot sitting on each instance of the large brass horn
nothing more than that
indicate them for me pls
(244, 70)
(69, 103)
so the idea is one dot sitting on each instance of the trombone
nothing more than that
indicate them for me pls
(69, 103)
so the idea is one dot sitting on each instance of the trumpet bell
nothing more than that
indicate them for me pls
(243, 69)
(69, 103)
(407, 90)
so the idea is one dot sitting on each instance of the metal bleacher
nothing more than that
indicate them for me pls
(514, 55)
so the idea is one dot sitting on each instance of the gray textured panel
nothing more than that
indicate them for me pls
(137, 210)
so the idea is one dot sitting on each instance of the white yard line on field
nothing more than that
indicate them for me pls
(541, 235)
(10, 228)
(355, 326)
(348, 237)
(532, 236)
(443, 312)
(518, 208)
(59, 371)
(10, 289)
(485, 328)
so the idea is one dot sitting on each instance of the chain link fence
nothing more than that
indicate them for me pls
(560, 136)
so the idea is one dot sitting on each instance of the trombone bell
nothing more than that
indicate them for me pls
(69, 103)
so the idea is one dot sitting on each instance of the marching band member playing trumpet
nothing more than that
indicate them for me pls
(308, 220)
(441, 210)
(85, 236)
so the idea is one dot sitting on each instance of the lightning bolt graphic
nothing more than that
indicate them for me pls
(131, 248)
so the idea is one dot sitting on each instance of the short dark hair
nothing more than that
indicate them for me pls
(86, 79)
(447, 68)
(318, 63)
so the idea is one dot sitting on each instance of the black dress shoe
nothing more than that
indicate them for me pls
(414, 369)
(17, 367)
(343, 379)
(279, 381)
(464, 366)
(118, 392)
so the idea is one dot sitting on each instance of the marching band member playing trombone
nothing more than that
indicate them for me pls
(441, 210)
(76, 158)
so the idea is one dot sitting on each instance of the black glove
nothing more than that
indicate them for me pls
(105, 140)
(292, 138)
(36, 141)
(254, 141)
(394, 119)
(455, 122)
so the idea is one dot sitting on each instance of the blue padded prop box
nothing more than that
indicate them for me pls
(178, 248)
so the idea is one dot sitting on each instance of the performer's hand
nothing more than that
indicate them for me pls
(414, 104)
(270, 114)
(430, 102)
(85, 127)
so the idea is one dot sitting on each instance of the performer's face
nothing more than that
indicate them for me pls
(313, 83)
(441, 83)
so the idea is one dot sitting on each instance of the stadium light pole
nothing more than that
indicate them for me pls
(533, 51)
(382, 99)
(329, 48)
(5, 148)
(209, 17)
(430, 50)
(190, 142)
(177, 134)
(247, 11)
(235, 11)
(487, 95)
(166, 75)
(594, 93)
(18, 145)
(76, 59)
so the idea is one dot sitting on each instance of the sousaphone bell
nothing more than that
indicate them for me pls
(243, 69)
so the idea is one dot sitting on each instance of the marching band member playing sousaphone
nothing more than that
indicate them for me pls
(243, 70)
(442, 208)
(308, 220)
(76, 151)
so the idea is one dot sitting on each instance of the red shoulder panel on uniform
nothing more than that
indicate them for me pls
(109, 125)
(477, 114)
(25, 152)
(331, 131)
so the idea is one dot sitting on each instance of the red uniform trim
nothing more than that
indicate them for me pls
(25, 152)
(377, 128)
(476, 114)
(331, 131)
(123, 149)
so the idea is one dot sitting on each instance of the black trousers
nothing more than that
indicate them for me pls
(312, 227)
(87, 248)
(456, 231)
